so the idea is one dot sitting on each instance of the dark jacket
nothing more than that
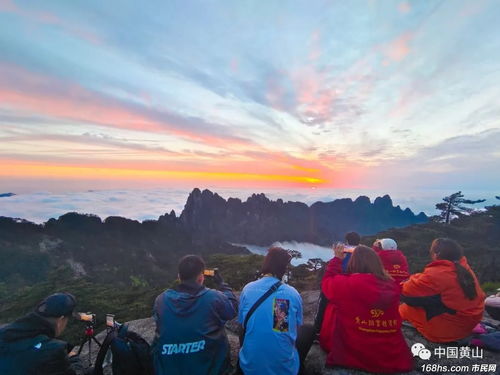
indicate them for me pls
(190, 335)
(28, 347)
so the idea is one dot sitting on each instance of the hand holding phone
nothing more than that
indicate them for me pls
(338, 250)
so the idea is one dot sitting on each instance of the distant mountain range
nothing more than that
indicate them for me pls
(6, 195)
(260, 221)
(118, 250)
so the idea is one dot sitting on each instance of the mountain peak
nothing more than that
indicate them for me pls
(6, 195)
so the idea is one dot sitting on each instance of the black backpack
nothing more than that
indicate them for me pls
(131, 353)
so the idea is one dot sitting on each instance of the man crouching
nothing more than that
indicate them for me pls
(190, 336)
(30, 345)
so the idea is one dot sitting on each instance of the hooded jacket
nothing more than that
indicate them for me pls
(28, 347)
(362, 327)
(395, 264)
(436, 305)
(190, 336)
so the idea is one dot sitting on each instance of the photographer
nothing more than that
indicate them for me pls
(190, 336)
(29, 345)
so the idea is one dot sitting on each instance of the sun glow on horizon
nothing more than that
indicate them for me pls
(96, 172)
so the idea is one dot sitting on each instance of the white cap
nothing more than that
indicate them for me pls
(388, 244)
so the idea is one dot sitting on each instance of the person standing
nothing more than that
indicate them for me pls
(190, 336)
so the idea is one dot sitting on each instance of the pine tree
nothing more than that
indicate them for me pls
(295, 254)
(315, 264)
(453, 206)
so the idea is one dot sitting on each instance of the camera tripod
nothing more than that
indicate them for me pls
(89, 336)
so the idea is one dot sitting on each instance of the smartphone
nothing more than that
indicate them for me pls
(85, 317)
(210, 272)
(110, 320)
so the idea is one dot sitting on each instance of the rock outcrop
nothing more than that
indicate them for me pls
(260, 221)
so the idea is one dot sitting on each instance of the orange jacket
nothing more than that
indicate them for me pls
(436, 305)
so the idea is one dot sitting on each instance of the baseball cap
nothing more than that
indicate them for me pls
(55, 305)
(387, 244)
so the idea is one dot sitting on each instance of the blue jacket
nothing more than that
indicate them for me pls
(345, 262)
(190, 336)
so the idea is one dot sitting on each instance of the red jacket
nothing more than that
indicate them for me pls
(395, 263)
(362, 326)
(436, 304)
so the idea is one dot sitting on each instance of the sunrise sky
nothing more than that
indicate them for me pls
(338, 94)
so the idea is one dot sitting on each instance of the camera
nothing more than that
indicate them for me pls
(110, 320)
(86, 317)
(210, 272)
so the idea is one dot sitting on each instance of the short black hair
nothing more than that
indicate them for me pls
(190, 267)
(276, 262)
(353, 238)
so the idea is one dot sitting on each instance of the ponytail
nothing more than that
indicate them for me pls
(466, 281)
(447, 249)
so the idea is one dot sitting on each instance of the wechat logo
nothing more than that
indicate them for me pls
(420, 351)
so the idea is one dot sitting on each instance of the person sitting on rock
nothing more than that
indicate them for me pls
(29, 345)
(190, 336)
(492, 305)
(394, 261)
(445, 301)
(352, 240)
(362, 327)
(274, 342)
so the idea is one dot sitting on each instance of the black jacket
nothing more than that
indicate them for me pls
(28, 347)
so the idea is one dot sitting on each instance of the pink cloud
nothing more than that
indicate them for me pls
(71, 101)
(408, 99)
(234, 65)
(315, 49)
(472, 8)
(404, 7)
(8, 6)
(314, 96)
(399, 48)
(275, 94)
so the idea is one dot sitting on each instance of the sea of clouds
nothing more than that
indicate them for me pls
(151, 203)
(307, 250)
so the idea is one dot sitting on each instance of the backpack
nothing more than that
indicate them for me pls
(131, 353)
(487, 336)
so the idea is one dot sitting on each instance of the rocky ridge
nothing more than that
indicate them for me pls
(261, 221)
